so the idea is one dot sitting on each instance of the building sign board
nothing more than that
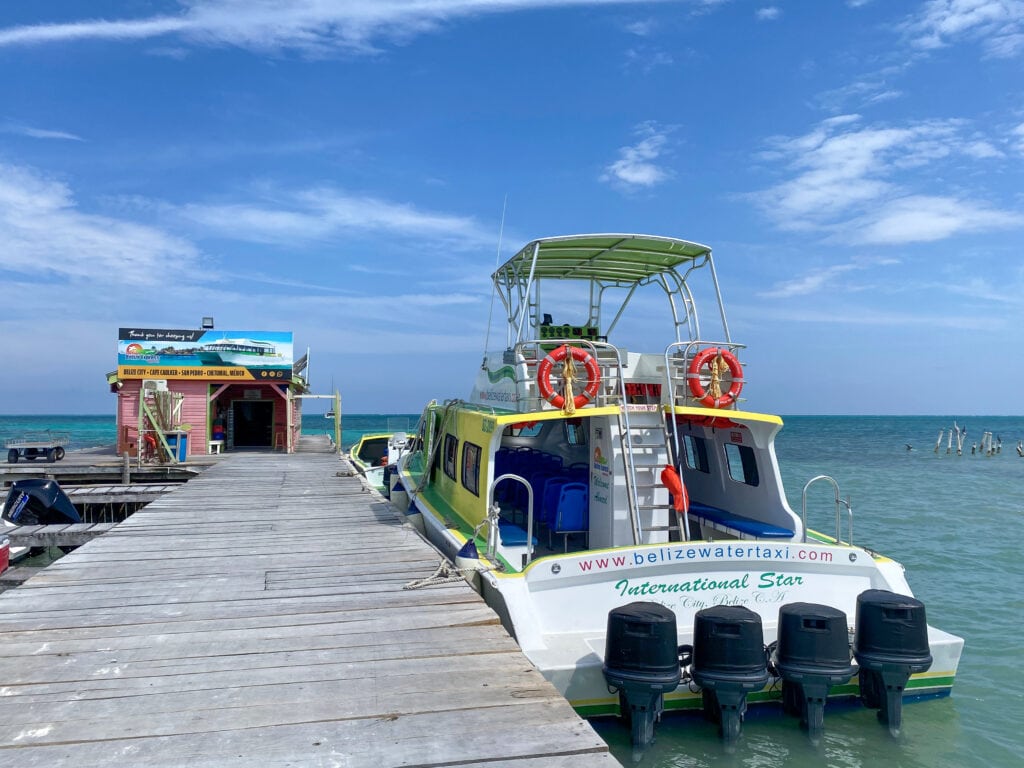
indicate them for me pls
(160, 353)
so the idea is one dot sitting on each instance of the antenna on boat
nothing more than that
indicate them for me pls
(497, 263)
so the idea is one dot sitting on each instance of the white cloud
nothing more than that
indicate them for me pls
(771, 13)
(923, 218)
(44, 233)
(315, 27)
(874, 88)
(1017, 137)
(640, 28)
(321, 213)
(856, 182)
(636, 166)
(38, 133)
(998, 25)
(812, 282)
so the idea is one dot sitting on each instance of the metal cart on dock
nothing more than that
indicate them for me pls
(42, 445)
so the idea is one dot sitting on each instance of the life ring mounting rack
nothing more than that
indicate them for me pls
(710, 365)
(568, 354)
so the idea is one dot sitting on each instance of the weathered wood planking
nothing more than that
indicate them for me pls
(258, 616)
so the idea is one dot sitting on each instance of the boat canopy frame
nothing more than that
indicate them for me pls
(605, 261)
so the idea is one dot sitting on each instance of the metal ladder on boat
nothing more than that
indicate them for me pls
(646, 449)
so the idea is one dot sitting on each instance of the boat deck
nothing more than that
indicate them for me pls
(260, 615)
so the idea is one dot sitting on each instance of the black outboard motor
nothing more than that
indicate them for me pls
(729, 661)
(891, 644)
(812, 655)
(641, 660)
(39, 502)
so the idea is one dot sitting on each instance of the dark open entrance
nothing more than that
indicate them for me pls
(254, 423)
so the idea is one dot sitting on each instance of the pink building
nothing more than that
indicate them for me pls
(182, 393)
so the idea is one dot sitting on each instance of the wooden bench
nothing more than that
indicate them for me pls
(741, 527)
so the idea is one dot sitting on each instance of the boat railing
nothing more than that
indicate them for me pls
(610, 359)
(494, 515)
(839, 503)
(678, 358)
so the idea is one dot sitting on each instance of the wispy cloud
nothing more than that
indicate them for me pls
(770, 13)
(926, 218)
(637, 166)
(997, 25)
(314, 27)
(44, 232)
(810, 283)
(47, 234)
(323, 213)
(37, 133)
(1018, 138)
(873, 88)
(858, 182)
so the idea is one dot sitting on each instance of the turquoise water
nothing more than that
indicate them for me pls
(951, 520)
(100, 431)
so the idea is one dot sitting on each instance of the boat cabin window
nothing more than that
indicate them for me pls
(742, 464)
(451, 450)
(471, 468)
(695, 450)
(524, 429)
(575, 434)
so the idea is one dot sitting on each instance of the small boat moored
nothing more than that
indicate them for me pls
(374, 453)
(598, 495)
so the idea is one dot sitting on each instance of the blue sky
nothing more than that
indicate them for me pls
(340, 170)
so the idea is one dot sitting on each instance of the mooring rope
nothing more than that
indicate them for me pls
(446, 573)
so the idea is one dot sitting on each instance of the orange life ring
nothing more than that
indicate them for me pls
(701, 359)
(680, 497)
(558, 355)
(150, 439)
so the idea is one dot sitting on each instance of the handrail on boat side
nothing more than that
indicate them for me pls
(845, 502)
(493, 512)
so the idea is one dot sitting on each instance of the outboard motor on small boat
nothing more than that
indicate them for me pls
(39, 502)
(812, 655)
(729, 661)
(890, 644)
(641, 660)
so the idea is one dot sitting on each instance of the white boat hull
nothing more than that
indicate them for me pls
(543, 606)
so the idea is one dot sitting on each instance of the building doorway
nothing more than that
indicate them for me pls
(253, 423)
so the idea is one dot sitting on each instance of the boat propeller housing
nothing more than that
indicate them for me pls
(729, 661)
(890, 644)
(811, 656)
(642, 662)
(37, 501)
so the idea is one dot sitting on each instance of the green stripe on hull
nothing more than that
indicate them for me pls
(926, 687)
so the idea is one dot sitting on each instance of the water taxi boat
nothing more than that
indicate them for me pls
(374, 452)
(244, 352)
(582, 479)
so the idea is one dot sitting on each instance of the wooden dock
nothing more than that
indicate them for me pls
(259, 616)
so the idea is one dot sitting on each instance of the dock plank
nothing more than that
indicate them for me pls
(259, 615)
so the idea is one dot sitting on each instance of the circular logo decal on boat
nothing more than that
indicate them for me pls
(556, 568)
